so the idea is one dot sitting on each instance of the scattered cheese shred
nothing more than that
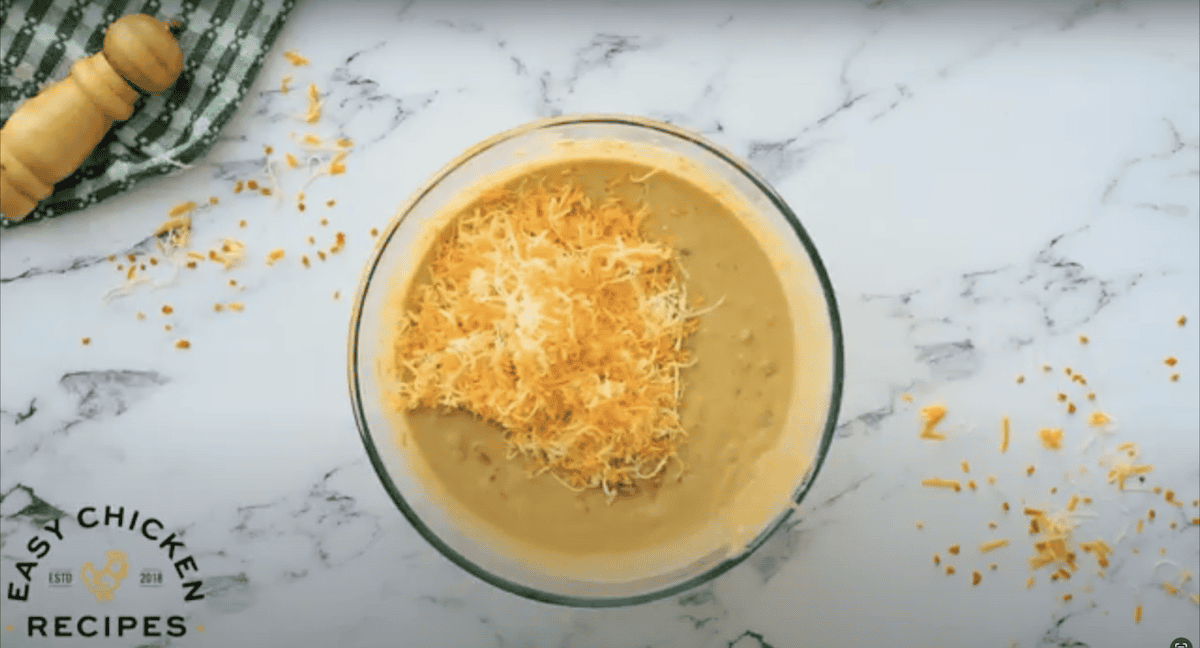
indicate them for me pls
(966, 467)
(291, 160)
(976, 577)
(942, 483)
(1182, 320)
(993, 545)
(314, 105)
(1029, 583)
(182, 208)
(1052, 544)
(1120, 472)
(229, 254)
(1005, 430)
(554, 317)
(284, 84)
(274, 255)
(295, 58)
(1073, 503)
(932, 414)
(1137, 614)
(1100, 548)
(337, 166)
(1051, 438)
(1170, 361)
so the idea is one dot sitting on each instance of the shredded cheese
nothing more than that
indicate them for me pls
(284, 84)
(932, 414)
(182, 208)
(942, 483)
(314, 105)
(1054, 535)
(1005, 429)
(295, 58)
(229, 254)
(1122, 471)
(555, 318)
(1100, 549)
(993, 545)
(1051, 438)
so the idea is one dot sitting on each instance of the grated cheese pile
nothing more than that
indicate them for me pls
(556, 319)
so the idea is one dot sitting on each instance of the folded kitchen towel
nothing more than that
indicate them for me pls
(223, 42)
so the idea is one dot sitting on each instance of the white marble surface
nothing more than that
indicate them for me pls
(986, 182)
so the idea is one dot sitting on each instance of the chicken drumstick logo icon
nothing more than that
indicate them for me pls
(105, 581)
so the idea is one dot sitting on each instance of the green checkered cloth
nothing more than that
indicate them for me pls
(223, 42)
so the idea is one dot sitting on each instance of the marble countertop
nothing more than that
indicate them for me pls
(986, 184)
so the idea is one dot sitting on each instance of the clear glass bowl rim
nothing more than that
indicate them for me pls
(835, 397)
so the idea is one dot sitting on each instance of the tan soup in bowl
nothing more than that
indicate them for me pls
(737, 467)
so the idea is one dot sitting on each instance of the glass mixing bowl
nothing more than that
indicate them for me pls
(804, 274)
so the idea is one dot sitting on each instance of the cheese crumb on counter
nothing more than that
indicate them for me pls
(183, 344)
(314, 105)
(932, 415)
(992, 545)
(1051, 438)
(942, 483)
(275, 255)
(295, 58)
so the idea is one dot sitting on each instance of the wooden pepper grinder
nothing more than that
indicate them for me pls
(50, 135)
